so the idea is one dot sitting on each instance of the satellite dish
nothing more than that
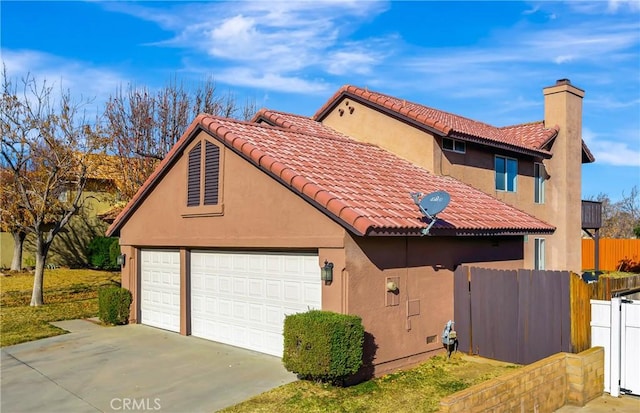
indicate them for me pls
(431, 205)
(434, 203)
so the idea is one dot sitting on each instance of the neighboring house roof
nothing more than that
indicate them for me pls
(112, 213)
(361, 186)
(529, 138)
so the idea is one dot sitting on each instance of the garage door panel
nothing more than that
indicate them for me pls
(256, 313)
(256, 288)
(274, 290)
(253, 294)
(312, 293)
(239, 286)
(160, 289)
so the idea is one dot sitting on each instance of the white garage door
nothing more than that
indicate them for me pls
(241, 299)
(160, 288)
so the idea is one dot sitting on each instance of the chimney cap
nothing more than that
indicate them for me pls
(563, 82)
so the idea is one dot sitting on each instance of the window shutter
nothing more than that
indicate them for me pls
(193, 181)
(211, 173)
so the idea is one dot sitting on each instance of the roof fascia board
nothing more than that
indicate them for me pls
(504, 146)
(391, 232)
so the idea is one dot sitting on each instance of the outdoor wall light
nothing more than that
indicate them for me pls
(122, 258)
(392, 287)
(326, 272)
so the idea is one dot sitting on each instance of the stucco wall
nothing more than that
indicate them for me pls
(368, 125)
(563, 107)
(258, 212)
(405, 327)
(6, 249)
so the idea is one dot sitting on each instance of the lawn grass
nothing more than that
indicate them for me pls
(415, 390)
(619, 274)
(68, 294)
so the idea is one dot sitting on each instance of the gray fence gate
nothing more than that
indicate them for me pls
(515, 316)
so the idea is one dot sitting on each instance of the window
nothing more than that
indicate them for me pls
(506, 174)
(203, 188)
(540, 175)
(64, 196)
(538, 254)
(454, 145)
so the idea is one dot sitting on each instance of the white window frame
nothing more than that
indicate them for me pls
(64, 196)
(539, 254)
(454, 145)
(539, 176)
(506, 174)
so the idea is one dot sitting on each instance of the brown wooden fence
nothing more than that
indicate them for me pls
(521, 316)
(612, 251)
(518, 316)
(607, 286)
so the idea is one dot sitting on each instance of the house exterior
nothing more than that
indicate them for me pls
(230, 232)
(69, 247)
(535, 167)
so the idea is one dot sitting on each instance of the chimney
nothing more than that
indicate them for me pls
(563, 109)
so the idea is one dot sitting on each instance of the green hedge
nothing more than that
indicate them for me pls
(103, 252)
(113, 305)
(323, 345)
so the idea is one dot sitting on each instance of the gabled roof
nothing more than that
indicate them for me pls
(361, 186)
(529, 138)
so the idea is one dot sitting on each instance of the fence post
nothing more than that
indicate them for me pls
(615, 347)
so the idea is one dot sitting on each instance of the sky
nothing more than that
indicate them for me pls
(487, 61)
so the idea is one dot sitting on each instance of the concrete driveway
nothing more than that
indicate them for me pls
(131, 368)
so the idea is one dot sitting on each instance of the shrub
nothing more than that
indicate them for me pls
(113, 305)
(629, 265)
(102, 254)
(323, 345)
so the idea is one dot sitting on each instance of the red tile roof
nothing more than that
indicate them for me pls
(361, 186)
(295, 123)
(528, 138)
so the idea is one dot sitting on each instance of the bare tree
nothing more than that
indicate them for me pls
(620, 219)
(12, 217)
(145, 125)
(45, 144)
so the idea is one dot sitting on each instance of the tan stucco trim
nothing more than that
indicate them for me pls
(185, 292)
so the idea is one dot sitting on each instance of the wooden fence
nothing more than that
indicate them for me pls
(521, 316)
(612, 251)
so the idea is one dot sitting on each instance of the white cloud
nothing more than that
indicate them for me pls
(614, 151)
(618, 5)
(246, 77)
(283, 38)
(95, 83)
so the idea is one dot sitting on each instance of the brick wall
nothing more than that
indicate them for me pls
(543, 386)
(585, 376)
